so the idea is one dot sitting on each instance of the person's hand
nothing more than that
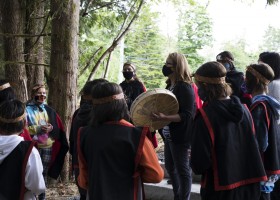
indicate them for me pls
(47, 128)
(158, 116)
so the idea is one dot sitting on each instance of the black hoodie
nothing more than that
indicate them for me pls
(224, 148)
(80, 119)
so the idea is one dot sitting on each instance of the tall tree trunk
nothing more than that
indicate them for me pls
(13, 21)
(34, 45)
(64, 61)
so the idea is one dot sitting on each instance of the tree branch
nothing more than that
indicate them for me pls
(90, 60)
(116, 41)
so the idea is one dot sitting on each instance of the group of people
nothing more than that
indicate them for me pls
(226, 129)
(33, 144)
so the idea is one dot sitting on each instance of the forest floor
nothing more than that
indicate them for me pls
(69, 191)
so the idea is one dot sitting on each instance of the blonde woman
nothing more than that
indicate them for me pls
(177, 141)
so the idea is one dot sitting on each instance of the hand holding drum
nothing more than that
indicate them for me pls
(150, 108)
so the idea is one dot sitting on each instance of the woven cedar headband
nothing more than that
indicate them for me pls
(107, 99)
(18, 119)
(220, 80)
(38, 86)
(4, 86)
(257, 75)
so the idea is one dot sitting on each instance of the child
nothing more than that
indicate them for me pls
(224, 148)
(20, 163)
(124, 155)
(265, 113)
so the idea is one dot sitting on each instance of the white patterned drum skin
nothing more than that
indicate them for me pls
(153, 101)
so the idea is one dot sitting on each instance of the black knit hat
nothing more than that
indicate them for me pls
(225, 55)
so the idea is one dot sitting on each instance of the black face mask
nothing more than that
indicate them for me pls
(248, 88)
(38, 98)
(202, 94)
(166, 71)
(128, 75)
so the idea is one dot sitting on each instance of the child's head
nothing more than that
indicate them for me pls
(6, 91)
(109, 103)
(210, 79)
(258, 77)
(12, 117)
(39, 93)
(273, 60)
(86, 91)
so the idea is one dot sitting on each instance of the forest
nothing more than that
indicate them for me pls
(64, 43)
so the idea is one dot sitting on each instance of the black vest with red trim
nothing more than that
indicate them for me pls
(112, 153)
(235, 157)
(271, 155)
(12, 170)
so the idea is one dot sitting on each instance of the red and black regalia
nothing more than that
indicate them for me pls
(114, 151)
(225, 152)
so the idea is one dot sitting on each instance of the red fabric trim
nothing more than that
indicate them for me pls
(197, 98)
(23, 189)
(208, 124)
(217, 186)
(59, 123)
(144, 88)
(121, 122)
(240, 183)
(25, 134)
(266, 113)
(269, 173)
(253, 126)
(55, 150)
(139, 152)
(80, 154)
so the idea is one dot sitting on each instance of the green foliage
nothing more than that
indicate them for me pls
(271, 40)
(145, 47)
(242, 57)
(194, 31)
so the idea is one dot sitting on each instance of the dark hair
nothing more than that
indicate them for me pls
(224, 56)
(213, 91)
(89, 85)
(7, 93)
(273, 60)
(86, 91)
(11, 110)
(114, 110)
(253, 83)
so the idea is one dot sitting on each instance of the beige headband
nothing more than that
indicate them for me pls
(38, 86)
(4, 86)
(220, 80)
(107, 99)
(18, 119)
(258, 75)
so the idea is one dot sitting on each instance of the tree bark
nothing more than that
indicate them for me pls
(64, 62)
(34, 46)
(13, 21)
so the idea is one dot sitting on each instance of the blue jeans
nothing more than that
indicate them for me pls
(177, 164)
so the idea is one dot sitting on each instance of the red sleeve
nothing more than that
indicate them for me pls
(25, 134)
(197, 99)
